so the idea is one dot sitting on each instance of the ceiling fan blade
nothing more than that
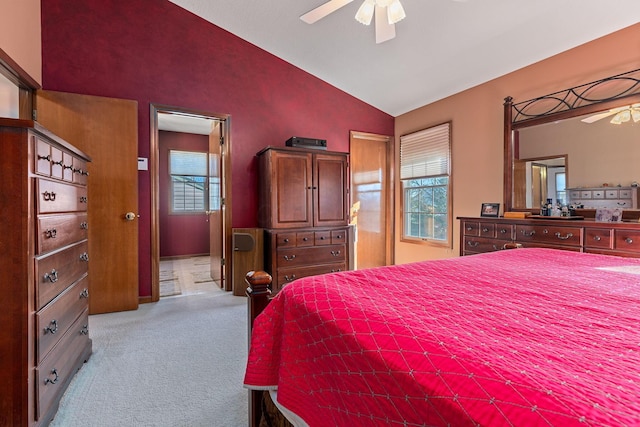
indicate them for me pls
(323, 10)
(598, 116)
(384, 30)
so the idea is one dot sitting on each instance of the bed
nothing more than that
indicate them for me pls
(524, 337)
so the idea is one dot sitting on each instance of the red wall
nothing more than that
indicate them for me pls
(153, 51)
(186, 234)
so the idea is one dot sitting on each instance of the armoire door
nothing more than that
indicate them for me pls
(330, 190)
(292, 187)
(107, 130)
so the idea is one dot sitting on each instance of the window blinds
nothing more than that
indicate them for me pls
(425, 153)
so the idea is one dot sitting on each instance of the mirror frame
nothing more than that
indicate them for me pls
(589, 98)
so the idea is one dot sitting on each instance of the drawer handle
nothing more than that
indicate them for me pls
(321, 237)
(84, 293)
(304, 239)
(485, 230)
(622, 203)
(336, 270)
(52, 328)
(469, 228)
(51, 233)
(84, 330)
(496, 248)
(339, 236)
(502, 231)
(290, 278)
(84, 225)
(289, 258)
(59, 162)
(629, 240)
(597, 238)
(84, 257)
(49, 196)
(52, 276)
(561, 237)
(83, 199)
(335, 253)
(286, 240)
(473, 244)
(47, 157)
(54, 372)
(529, 234)
(67, 167)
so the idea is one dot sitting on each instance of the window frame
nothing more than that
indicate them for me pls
(448, 242)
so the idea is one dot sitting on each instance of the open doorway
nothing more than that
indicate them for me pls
(189, 165)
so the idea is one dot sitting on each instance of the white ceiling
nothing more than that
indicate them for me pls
(441, 48)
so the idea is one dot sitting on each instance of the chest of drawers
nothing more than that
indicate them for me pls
(45, 335)
(478, 235)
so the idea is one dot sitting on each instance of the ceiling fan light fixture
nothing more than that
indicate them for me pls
(365, 12)
(635, 115)
(621, 117)
(395, 12)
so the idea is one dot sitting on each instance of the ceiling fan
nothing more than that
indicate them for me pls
(387, 13)
(620, 115)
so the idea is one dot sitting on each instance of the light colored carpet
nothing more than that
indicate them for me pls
(178, 362)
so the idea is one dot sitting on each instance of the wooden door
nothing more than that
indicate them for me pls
(107, 130)
(330, 190)
(371, 203)
(216, 208)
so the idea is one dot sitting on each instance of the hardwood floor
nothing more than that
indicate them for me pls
(186, 276)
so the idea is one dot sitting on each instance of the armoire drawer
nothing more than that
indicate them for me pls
(56, 271)
(295, 257)
(57, 231)
(55, 196)
(288, 275)
(53, 320)
(57, 369)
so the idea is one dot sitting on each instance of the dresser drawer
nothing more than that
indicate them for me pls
(80, 172)
(569, 236)
(296, 257)
(57, 231)
(53, 321)
(56, 196)
(487, 229)
(56, 370)
(471, 228)
(598, 238)
(285, 240)
(288, 275)
(480, 244)
(54, 272)
(627, 240)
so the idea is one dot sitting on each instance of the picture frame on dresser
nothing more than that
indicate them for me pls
(490, 210)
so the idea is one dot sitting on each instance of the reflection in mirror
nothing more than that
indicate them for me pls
(596, 124)
(537, 179)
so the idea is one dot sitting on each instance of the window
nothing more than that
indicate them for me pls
(189, 179)
(561, 188)
(425, 159)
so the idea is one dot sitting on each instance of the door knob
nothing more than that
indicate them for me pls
(130, 216)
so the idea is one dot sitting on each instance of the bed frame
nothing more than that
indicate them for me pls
(259, 295)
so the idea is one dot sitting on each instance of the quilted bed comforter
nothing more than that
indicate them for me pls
(525, 337)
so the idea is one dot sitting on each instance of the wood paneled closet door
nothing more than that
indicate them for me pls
(107, 130)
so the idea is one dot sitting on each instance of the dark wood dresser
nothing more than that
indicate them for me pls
(44, 337)
(486, 234)
(303, 207)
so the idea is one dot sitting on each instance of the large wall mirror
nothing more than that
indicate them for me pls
(586, 136)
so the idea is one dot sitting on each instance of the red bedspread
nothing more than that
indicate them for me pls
(525, 337)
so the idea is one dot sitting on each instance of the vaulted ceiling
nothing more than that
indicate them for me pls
(442, 47)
